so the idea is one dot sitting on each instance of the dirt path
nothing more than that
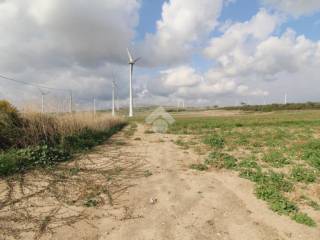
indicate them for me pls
(187, 204)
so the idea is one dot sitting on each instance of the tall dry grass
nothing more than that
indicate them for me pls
(47, 128)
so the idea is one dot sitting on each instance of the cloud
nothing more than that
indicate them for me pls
(67, 44)
(184, 24)
(184, 82)
(295, 7)
(252, 54)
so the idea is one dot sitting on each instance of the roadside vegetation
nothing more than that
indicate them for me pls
(279, 152)
(276, 107)
(31, 140)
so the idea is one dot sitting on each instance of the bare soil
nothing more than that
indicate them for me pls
(111, 194)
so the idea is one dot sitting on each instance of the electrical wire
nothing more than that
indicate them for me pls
(32, 84)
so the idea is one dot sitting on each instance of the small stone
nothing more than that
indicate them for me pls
(153, 200)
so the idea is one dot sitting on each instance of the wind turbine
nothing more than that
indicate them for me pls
(132, 62)
(113, 94)
(285, 98)
(43, 93)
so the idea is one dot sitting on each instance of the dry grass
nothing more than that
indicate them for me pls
(45, 127)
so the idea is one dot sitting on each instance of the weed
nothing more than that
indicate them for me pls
(311, 153)
(182, 144)
(91, 202)
(147, 173)
(214, 141)
(199, 167)
(275, 159)
(301, 174)
(221, 160)
(303, 219)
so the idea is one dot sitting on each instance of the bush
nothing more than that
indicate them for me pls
(10, 125)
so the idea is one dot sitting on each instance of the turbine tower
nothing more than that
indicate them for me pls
(132, 62)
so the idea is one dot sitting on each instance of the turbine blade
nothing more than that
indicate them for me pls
(137, 59)
(129, 55)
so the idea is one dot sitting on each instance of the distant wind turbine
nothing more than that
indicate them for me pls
(113, 95)
(132, 62)
(43, 93)
(285, 98)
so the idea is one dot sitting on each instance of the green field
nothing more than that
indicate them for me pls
(278, 151)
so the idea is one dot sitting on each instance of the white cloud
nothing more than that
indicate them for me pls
(295, 7)
(251, 54)
(184, 24)
(66, 44)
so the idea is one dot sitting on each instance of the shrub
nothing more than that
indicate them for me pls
(10, 123)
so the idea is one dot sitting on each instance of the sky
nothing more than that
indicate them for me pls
(202, 52)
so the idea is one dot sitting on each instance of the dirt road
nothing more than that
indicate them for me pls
(174, 202)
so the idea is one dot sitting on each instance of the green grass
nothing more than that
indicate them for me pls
(275, 159)
(301, 174)
(214, 141)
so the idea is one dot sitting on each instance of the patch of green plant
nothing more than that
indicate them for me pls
(275, 159)
(254, 175)
(147, 173)
(214, 141)
(314, 205)
(301, 174)
(221, 160)
(182, 143)
(91, 202)
(18, 160)
(275, 199)
(199, 167)
(303, 218)
(311, 153)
